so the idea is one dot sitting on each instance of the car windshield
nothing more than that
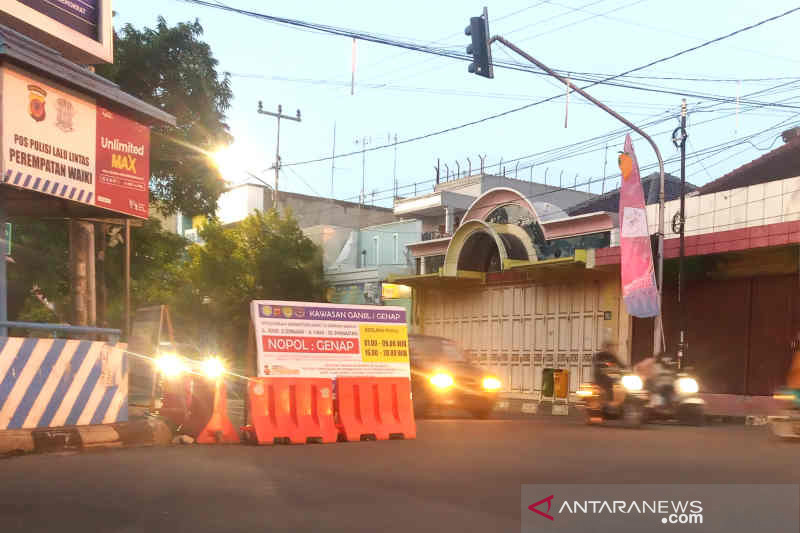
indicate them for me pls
(449, 351)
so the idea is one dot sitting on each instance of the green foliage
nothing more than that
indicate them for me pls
(208, 287)
(266, 256)
(157, 257)
(172, 69)
(41, 259)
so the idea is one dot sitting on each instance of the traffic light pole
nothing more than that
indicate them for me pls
(658, 329)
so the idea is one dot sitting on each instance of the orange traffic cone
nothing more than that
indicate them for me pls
(219, 428)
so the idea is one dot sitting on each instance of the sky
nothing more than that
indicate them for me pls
(409, 94)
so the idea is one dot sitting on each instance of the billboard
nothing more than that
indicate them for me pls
(308, 339)
(79, 29)
(60, 143)
(80, 15)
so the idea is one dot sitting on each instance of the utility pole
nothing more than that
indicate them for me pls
(126, 274)
(333, 158)
(679, 137)
(277, 166)
(82, 274)
(100, 231)
(364, 141)
(395, 166)
(480, 49)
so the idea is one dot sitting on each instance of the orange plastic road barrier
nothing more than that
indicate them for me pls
(219, 428)
(375, 408)
(291, 410)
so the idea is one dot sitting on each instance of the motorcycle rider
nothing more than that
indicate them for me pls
(605, 362)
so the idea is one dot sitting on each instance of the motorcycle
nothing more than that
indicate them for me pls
(673, 395)
(787, 426)
(627, 403)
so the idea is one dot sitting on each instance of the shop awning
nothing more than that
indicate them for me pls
(580, 258)
(463, 278)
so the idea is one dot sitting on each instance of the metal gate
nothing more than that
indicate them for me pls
(517, 331)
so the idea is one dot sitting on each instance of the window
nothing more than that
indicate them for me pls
(376, 250)
(396, 243)
(433, 264)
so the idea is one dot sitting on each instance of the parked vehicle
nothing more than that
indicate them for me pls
(673, 393)
(787, 426)
(627, 402)
(442, 375)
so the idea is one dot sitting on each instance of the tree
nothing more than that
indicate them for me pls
(266, 256)
(172, 69)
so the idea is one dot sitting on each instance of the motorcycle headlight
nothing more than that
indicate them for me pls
(442, 380)
(491, 383)
(687, 385)
(632, 382)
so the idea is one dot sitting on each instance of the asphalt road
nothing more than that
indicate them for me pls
(459, 475)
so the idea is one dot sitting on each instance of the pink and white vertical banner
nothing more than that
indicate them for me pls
(639, 289)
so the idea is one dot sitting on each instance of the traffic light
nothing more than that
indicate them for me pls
(478, 29)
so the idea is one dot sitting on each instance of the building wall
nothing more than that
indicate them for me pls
(742, 310)
(519, 328)
(535, 192)
(745, 207)
(236, 204)
(333, 240)
(314, 211)
(389, 242)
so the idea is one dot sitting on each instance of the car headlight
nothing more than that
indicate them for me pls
(687, 385)
(213, 367)
(170, 365)
(632, 382)
(442, 380)
(491, 383)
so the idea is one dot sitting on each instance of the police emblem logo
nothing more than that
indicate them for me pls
(36, 102)
(65, 113)
(288, 312)
(266, 310)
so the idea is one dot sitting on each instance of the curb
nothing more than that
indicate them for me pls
(533, 408)
(141, 432)
(526, 408)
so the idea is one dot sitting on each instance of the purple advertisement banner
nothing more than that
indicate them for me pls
(331, 313)
(80, 15)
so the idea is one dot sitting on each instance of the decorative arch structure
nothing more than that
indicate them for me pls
(503, 230)
(474, 240)
(483, 206)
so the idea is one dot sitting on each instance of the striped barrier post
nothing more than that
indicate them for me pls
(61, 382)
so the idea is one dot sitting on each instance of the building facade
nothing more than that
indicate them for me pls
(359, 261)
(236, 203)
(516, 281)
